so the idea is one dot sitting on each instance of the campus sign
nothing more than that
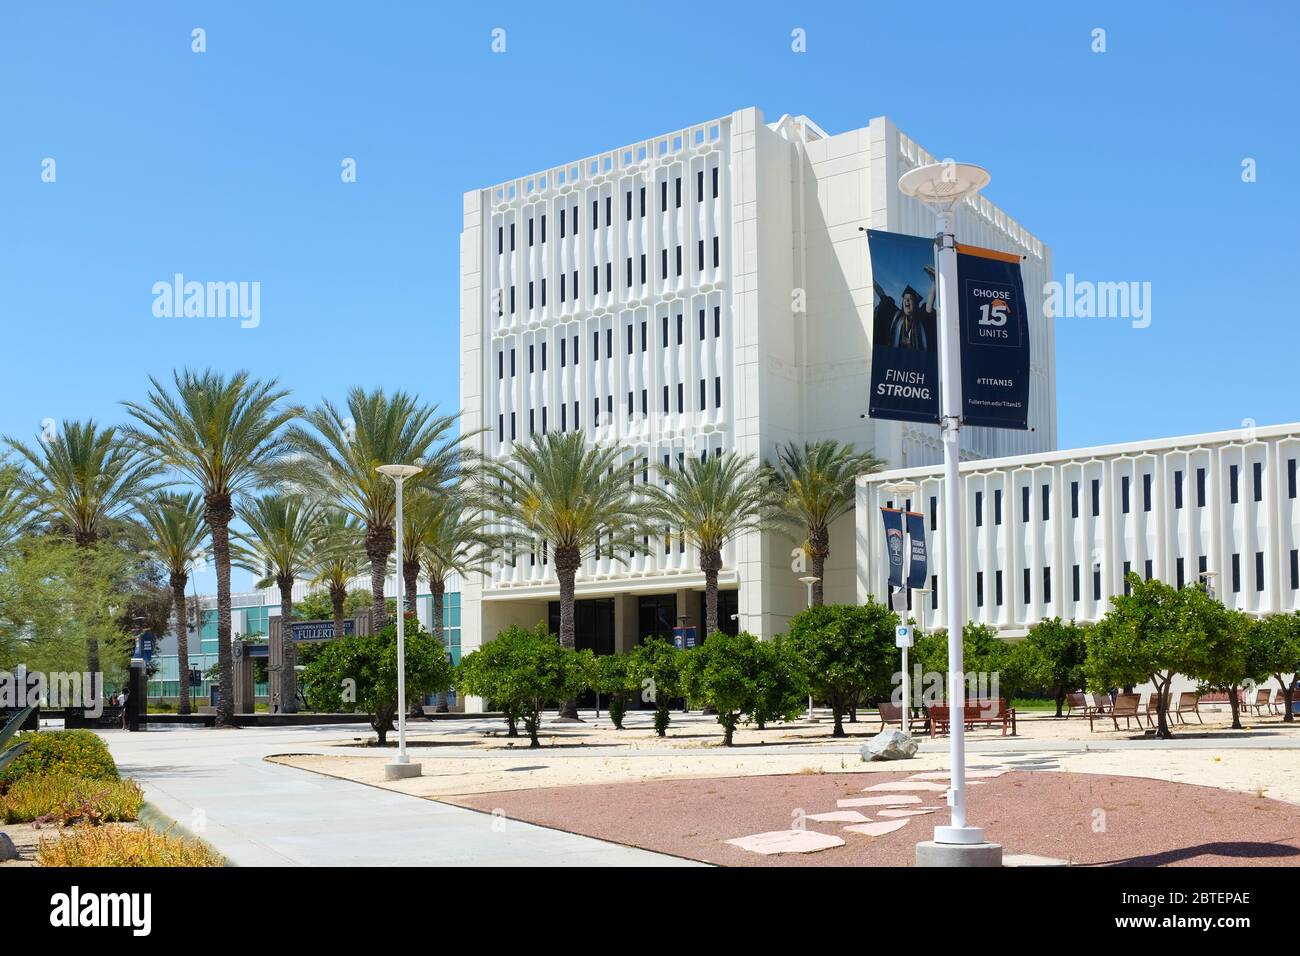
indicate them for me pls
(994, 339)
(320, 630)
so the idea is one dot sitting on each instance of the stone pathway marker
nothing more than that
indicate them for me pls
(787, 841)
(907, 813)
(839, 816)
(894, 801)
(906, 785)
(878, 829)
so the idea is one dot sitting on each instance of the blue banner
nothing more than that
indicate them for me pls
(994, 339)
(917, 560)
(905, 333)
(893, 520)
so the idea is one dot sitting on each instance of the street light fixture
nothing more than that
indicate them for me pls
(810, 580)
(402, 767)
(942, 186)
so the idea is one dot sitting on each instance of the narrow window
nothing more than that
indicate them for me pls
(1179, 577)
(543, 356)
(1047, 502)
(717, 326)
(1096, 584)
(677, 192)
(1096, 497)
(530, 233)
(934, 513)
(703, 393)
(979, 588)
(1200, 487)
(715, 182)
(717, 391)
(665, 399)
(1259, 570)
(1047, 585)
(1128, 568)
(1123, 493)
(1258, 468)
(979, 509)
(1074, 584)
(1178, 490)
(1232, 484)
(997, 587)
(512, 426)
(501, 427)
(997, 506)
(699, 185)
(934, 592)
(1147, 569)
(1074, 499)
(1146, 492)
(1025, 585)
(1290, 478)
(681, 391)
(501, 365)
(1295, 569)
(512, 363)
(1024, 504)
(1236, 573)
(532, 352)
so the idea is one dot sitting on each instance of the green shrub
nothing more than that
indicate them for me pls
(654, 667)
(123, 846)
(738, 674)
(80, 753)
(63, 799)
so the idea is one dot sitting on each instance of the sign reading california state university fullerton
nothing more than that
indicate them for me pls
(905, 333)
(994, 339)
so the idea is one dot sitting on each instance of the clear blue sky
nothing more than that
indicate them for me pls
(225, 166)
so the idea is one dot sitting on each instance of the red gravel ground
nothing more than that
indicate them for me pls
(1047, 813)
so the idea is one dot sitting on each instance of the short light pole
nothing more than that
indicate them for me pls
(943, 186)
(402, 767)
(810, 580)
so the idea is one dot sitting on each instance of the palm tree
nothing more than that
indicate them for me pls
(818, 483)
(174, 523)
(574, 498)
(282, 536)
(455, 537)
(223, 434)
(15, 505)
(337, 560)
(709, 501)
(84, 483)
(345, 446)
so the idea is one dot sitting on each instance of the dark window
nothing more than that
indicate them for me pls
(575, 350)
(934, 512)
(543, 419)
(663, 263)
(643, 335)
(1236, 573)
(563, 352)
(512, 300)
(997, 506)
(1128, 567)
(543, 356)
(543, 227)
(645, 404)
(717, 326)
(642, 212)
(530, 232)
(561, 223)
(701, 325)
(1096, 584)
(934, 592)
(609, 277)
(1074, 583)
(679, 260)
(512, 363)
(979, 509)
(1290, 478)
(1024, 504)
(512, 237)
(501, 427)
(1047, 502)
(1147, 569)
(1096, 497)
(629, 404)
(715, 182)
(677, 192)
(1178, 573)
(665, 399)
(699, 255)
(595, 412)
(1202, 564)
(629, 340)
(512, 426)
(500, 239)
(629, 272)
(1258, 468)
(663, 196)
(1259, 570)
(609, 210)
(703, 394)
(543, 293)
(1146, 492)
(575, 283)
(595, 214)
(532, 359)
(501, 365)
(1232, 484)
(1178, 489)
(663, 335)
(699, 185)
(532, 420)
(717, 391)
(629, 205)
(681, 392)
(609, 343)
(717, 251)
(1200, 487)
(595, 346)
(1026, 587)
(595, 280)
(643, 268)
(979, 588)
(576, 421)
(1295, 569)
(1074, 499)
(997, 588)
(564, 417)
(1047, 585)
(679, 329)
(575, 220)
(1123, 493)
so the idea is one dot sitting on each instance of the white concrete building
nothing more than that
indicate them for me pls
(696, 291)
(1054, 534)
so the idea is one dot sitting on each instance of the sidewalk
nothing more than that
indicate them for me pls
(216, 784)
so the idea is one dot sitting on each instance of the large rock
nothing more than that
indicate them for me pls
(889, 745)
(7, 849)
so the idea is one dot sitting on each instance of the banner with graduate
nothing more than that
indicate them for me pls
(994, 339)
(905, 333)
(893, 521)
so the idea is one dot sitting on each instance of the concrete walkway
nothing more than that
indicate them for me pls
(216, 784)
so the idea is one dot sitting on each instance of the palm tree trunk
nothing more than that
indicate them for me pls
(379, 545)
(217, 512)
(439, 588)
(288, 650)
(338, 594)
(178, 582)
(710, 564)
(819, 542)
(411, 576)
(567, 561)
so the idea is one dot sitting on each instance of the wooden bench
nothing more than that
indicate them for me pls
(1153, 707)
(1188, 703)
(1125, 706)
(987, 712)
(1077, 702)
(1101, 704)
(892, 714)
(1263, 701)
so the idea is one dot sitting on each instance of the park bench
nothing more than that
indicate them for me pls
(1077, 702)
(892, 714)
(1101, 704)
(1126, 706)
(1263, 701)
(987, 712)
(1152, 712)
(1188, 703)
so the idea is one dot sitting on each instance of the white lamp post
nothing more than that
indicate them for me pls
(402, 767)
(942, 186)
(810, 580)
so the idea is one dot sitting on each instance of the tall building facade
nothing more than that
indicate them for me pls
(694, 292)
(1056, 534)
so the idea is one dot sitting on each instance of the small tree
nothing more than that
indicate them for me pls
(1231, 665)
(655, 668)
(984, 656)
(609, 676)
(360, 672)
(725, 673)
(781, 683)
(1150, 634)
(1274, 648)
(1053, 656)
(847, 652)
(525, 671)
